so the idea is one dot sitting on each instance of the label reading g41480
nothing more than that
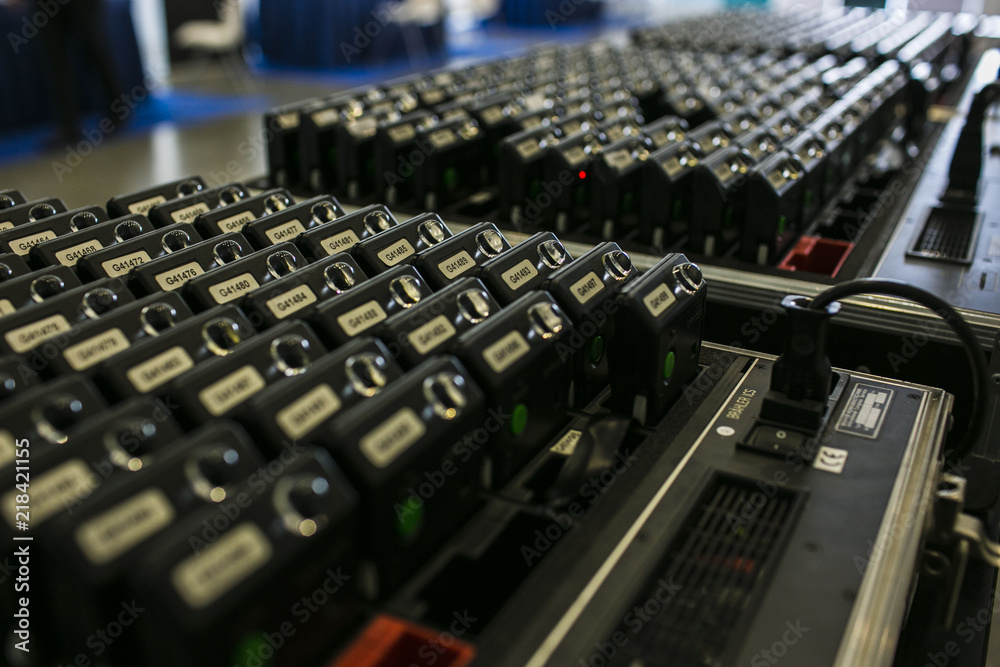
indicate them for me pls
(233, 288)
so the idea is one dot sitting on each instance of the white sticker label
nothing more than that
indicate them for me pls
(70, 256)
(442, 138)
(58, 489)
(456, 265)
(291, 302)
(205, 577)
(7, 449)
(234, 288)
(618, 159)
(587, 287)
(567, 444)
(659, 300)
(114, 532)
(432, 334)
(325, 117)
(396, 253)
(830, 459)
(159, 370)
(142, 207)
(288, 121)
(23, 245)
(308, 412)
(222, 396)
(175, 278)
(506, 351)
(31, 335)
(393, 437)
(6, 307)
(528, 148)
(4, 226)
(235, 223)
(95, 350)
(361, 318)
(402, 133)
(340, 242)
(520, 275)
(122, 265)
(285, 232)
(190, 213)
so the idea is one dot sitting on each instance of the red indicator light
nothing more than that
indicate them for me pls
(583, 175)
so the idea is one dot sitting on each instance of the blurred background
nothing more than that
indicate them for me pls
(147, 90)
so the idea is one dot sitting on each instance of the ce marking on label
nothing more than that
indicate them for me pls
(830, 460)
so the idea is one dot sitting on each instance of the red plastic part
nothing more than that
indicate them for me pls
(392, 642)
(817, 255)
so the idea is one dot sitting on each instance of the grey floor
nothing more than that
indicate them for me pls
(219, 150)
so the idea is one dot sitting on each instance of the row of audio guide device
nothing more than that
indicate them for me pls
(759, 141)
(242, 429)
(273, 426)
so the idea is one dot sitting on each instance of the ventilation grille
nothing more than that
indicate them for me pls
(947, 236)
(712, 571)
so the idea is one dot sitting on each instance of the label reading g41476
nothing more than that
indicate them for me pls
(175, 279)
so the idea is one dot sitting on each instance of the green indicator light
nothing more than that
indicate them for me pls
(596, 349)
(668, 365)
(782, 222)
(450, 178)
(677, 209)
(808, 198)
(519, 419)
(409, 517)
(251, 651)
